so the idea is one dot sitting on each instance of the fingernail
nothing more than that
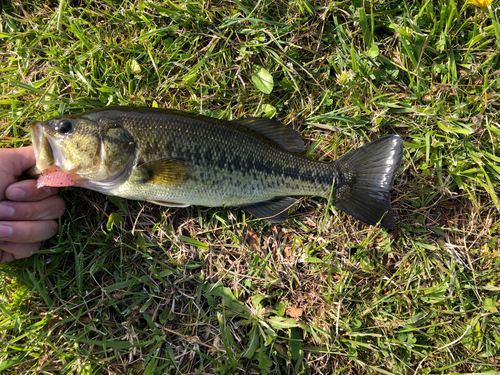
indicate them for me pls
(5, 231)
(16, 194)
(6, 212)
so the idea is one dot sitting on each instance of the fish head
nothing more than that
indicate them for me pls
(85, 148)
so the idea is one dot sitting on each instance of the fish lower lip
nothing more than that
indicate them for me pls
(36, 137)
(43, 147)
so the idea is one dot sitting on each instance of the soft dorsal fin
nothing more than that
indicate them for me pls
(166, 172)
(287, 138)
(272, 211)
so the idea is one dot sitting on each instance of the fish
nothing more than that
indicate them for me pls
(177, 159)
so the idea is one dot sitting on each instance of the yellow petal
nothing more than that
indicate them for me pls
(480, 3)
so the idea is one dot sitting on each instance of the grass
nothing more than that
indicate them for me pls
(133, 288)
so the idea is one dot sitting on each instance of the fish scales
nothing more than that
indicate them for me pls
(175, 158)
(227, 165)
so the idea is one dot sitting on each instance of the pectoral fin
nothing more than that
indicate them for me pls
(166, 172)
(272, 211)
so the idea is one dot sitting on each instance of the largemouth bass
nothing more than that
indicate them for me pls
(174, 158)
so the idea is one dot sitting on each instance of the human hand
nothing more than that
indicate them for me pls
(27, 214)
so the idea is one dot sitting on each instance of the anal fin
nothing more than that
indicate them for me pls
(272, 211)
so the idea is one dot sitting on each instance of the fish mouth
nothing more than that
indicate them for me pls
(47, 152)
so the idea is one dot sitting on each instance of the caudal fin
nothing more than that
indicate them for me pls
(365, 177)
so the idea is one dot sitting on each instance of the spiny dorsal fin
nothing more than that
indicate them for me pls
(272, 211)
(166, 172)
(287, 138)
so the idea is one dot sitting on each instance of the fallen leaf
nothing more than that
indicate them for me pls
(54, 321)
(85, 320)
(449, 205)
(294, 312)
(477, 121)
(252, 240)
(310, 223)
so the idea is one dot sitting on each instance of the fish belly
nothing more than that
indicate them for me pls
(219, 187)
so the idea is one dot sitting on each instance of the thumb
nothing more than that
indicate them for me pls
(13, 162)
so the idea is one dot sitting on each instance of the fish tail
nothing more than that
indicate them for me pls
(364, 178)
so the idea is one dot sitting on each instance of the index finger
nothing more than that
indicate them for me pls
(26, 191)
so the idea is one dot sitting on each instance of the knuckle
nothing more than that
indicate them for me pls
(30, 211)
(54, 191)
(30, 232)
(4, 256)
(25, 233)
(47, 209)
(56, 208)
(50, 230)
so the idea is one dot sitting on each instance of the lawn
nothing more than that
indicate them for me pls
(133, 288)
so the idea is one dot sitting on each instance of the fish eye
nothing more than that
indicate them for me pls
(64, 127)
